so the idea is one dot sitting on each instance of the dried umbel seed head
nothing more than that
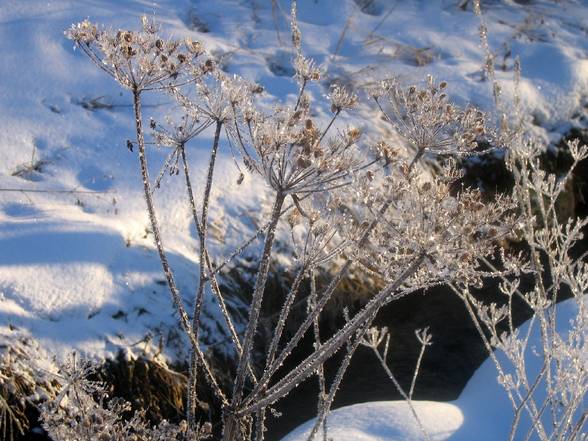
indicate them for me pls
(138, 60)
(385, 151)
(294, 217)
(83, 32)
(428, 217)
(353, 134)
(257, 89)
(293, 154)
(126, 36)
(341, 98)
(306, 69)
(208, 66)
(425, 118)
(194, 47)
(303, 162)
(128, 52)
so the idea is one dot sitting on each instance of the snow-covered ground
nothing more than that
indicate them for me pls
(483, 411)
(78, 270)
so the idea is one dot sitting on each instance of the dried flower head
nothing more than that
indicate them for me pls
(306, 69)
(341, 98)
(83, 32)
(294, 155)
(429, 121)
(138, 60)
(417, 217)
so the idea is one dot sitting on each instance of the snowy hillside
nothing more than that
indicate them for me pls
(73, 242)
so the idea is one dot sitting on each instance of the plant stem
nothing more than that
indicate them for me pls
(284, 312)
(283, 315)
(322, 399)
(255, 309)
(310, 364)
(325, 406)
(211, 271)
(152, 214)
(406, 398)
(176, 298)
(202, 276)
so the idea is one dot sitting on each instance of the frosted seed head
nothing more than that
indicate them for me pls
(83, 32)
(194, 47)
(136, 59)
(341, 98)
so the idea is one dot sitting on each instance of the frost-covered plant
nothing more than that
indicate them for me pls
(449, 226)
(374, 338)
(343, 197)
(83, 411)
(549, 402)
(22, 386)
(139, 61)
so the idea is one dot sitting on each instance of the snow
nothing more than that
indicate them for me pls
(482, 412)
(387, 421)
(78, 270)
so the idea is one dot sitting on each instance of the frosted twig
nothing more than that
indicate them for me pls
(160, 248)
(424, 339)
(399, 388)
(231, 423)
(326, 400)
(323, 401)
(309, 365)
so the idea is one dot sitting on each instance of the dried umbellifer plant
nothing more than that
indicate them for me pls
(343, 198)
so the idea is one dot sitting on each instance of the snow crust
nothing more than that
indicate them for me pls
(387, 421)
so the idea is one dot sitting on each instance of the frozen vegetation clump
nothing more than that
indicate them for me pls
(349, 201)
(82, 410)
